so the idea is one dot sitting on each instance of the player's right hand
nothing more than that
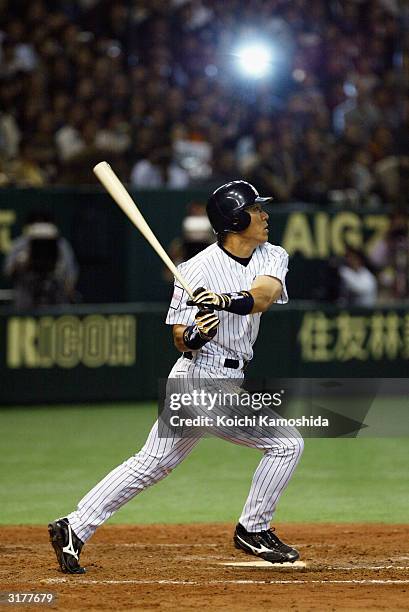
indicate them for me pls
(209, 299)
(207, 323)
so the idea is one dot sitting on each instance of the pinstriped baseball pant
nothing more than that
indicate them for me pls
(159, 456)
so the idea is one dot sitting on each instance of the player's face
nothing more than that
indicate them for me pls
(257, 231)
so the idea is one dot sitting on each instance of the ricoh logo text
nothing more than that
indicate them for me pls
(68, 341)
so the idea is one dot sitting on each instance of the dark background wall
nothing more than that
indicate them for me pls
(118, 265)
(119, 352)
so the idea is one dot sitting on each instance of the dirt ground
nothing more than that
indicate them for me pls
(180, 567)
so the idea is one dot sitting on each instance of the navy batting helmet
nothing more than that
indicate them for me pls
(226, 206)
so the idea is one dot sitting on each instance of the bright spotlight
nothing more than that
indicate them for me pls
(255, 60)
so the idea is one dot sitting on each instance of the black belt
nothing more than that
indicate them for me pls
(234, 364)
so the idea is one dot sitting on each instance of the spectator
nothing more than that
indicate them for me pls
(314, 166)
(273, 171)
(26, 171)
(9, 136)
(262, 129)
(358, 286)
(41, 265)
(196, 235)
(115, 137)
(362, 179)
(158, 170)
(359, 111)
(68, 138)
(390, 257)
(192, 149)
(224, 167)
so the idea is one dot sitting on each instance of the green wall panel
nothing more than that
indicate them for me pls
(119, 352)
(118, 265)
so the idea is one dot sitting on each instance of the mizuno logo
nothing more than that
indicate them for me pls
(256, 551)
(70, 548)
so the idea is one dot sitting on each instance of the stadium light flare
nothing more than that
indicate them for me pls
(255, 59)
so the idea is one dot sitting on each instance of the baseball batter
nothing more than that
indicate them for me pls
(236, 280)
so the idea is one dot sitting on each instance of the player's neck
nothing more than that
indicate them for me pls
(239, 246)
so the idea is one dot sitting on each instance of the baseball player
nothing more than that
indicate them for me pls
(236, 280)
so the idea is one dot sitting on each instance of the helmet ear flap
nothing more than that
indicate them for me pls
(241, 221)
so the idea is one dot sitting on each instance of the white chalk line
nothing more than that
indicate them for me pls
(99, 544)
(313, 568)
(265, 564)
(79, 581)
(158, 545)
(366, 567)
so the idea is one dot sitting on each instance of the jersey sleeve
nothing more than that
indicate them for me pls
(179, 313)
(276, 265)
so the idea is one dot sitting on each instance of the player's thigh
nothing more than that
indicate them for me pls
(280, 440)
(162, 444)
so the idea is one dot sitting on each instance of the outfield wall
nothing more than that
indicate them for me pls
(118, 352)
(113, 255)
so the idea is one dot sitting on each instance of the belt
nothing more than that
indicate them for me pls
(234, 364)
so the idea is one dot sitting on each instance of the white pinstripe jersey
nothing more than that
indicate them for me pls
(214, 269)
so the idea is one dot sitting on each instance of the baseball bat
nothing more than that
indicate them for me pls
(115, 188)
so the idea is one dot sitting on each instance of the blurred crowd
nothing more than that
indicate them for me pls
(380, 277)
(154, 88)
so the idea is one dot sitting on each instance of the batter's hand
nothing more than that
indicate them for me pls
(209, 299)
(207, 322)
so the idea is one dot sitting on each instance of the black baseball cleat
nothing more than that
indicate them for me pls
(264, 544)
(66, 545)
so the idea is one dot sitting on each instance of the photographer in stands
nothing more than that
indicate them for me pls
(41, 265)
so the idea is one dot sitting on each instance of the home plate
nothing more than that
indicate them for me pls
(295, 565)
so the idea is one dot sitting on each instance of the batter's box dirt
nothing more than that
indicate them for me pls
(184, 567)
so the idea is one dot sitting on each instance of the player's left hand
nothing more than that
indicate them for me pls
(209, 299)
(207, 322)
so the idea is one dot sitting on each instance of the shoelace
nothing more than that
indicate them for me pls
(273, 539)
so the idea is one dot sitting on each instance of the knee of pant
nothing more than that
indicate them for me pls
(150, 469)
(148, 458)
(300, 446)
(289, 447)
(164, 470)
(148, 464)
(295, 446)
(156, 472)
(142, 463)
